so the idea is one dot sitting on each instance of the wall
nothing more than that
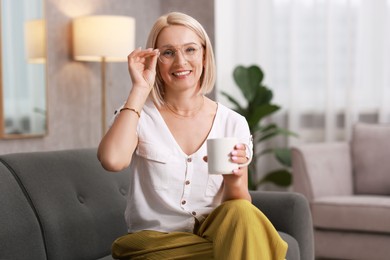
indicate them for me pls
(74, 119)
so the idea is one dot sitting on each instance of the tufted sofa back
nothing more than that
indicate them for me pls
(59, 205)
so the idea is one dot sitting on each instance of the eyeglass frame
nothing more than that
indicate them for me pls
(181, 48)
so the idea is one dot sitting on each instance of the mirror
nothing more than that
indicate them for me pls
(23, 69)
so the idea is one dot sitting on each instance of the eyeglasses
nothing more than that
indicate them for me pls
(189, 51)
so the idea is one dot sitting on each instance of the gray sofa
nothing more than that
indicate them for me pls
(63, 205)
(348, 187)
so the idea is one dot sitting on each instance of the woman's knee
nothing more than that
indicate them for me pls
(238, 206)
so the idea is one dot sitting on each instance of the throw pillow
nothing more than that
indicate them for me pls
(371, 159)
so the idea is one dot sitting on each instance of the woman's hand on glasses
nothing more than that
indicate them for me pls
(142, 67)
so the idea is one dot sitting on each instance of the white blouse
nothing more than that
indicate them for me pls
(169, 189)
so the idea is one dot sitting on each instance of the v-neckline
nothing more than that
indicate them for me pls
(173, 137)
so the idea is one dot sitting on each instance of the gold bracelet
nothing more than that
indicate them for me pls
(131, 109)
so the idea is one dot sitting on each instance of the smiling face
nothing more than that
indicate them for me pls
(178, 72)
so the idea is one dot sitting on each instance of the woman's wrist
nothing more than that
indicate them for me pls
(235, 188)
(137, 98)
(132, 110)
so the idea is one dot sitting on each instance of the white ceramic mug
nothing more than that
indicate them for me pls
(219, 155)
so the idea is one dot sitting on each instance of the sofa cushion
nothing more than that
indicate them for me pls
(293, 247)
(292, 251)
(354, 213)
(351, 245)
(371, 163)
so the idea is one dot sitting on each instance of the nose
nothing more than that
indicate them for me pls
(179, 57)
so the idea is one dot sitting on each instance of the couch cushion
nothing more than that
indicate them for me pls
(355, 213)
(292, 251)
(293, 247)
(370, 155)
(108, 257)
(351, 245)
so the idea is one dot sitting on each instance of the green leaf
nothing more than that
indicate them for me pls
(265, 151)
(287, 132)
(262, 96)
(283, 155)
(279, 177)
(248, 79)
(268, 130)
(238, 108)
(262, 136)
(266, 136)
(261, 112)
(268, 127)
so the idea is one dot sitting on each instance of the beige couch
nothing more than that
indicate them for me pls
(348, 187)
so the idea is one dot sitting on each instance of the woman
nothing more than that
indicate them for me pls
(175, 209)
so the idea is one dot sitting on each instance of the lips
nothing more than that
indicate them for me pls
(181, 73)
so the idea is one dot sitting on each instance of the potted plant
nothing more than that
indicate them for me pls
(258, 98)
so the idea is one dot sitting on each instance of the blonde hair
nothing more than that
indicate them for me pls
(207, 79)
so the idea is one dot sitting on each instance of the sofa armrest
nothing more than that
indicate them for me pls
(289, 212)
(322, 169)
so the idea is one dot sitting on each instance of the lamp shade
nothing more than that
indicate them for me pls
(34, 34)
(103, 36)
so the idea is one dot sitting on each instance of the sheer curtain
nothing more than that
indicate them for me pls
(327, 61)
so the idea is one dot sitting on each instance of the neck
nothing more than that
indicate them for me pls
(186, 108)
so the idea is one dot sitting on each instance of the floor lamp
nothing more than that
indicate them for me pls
(103, 38)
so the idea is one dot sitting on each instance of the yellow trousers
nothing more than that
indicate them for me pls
(236, 230)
